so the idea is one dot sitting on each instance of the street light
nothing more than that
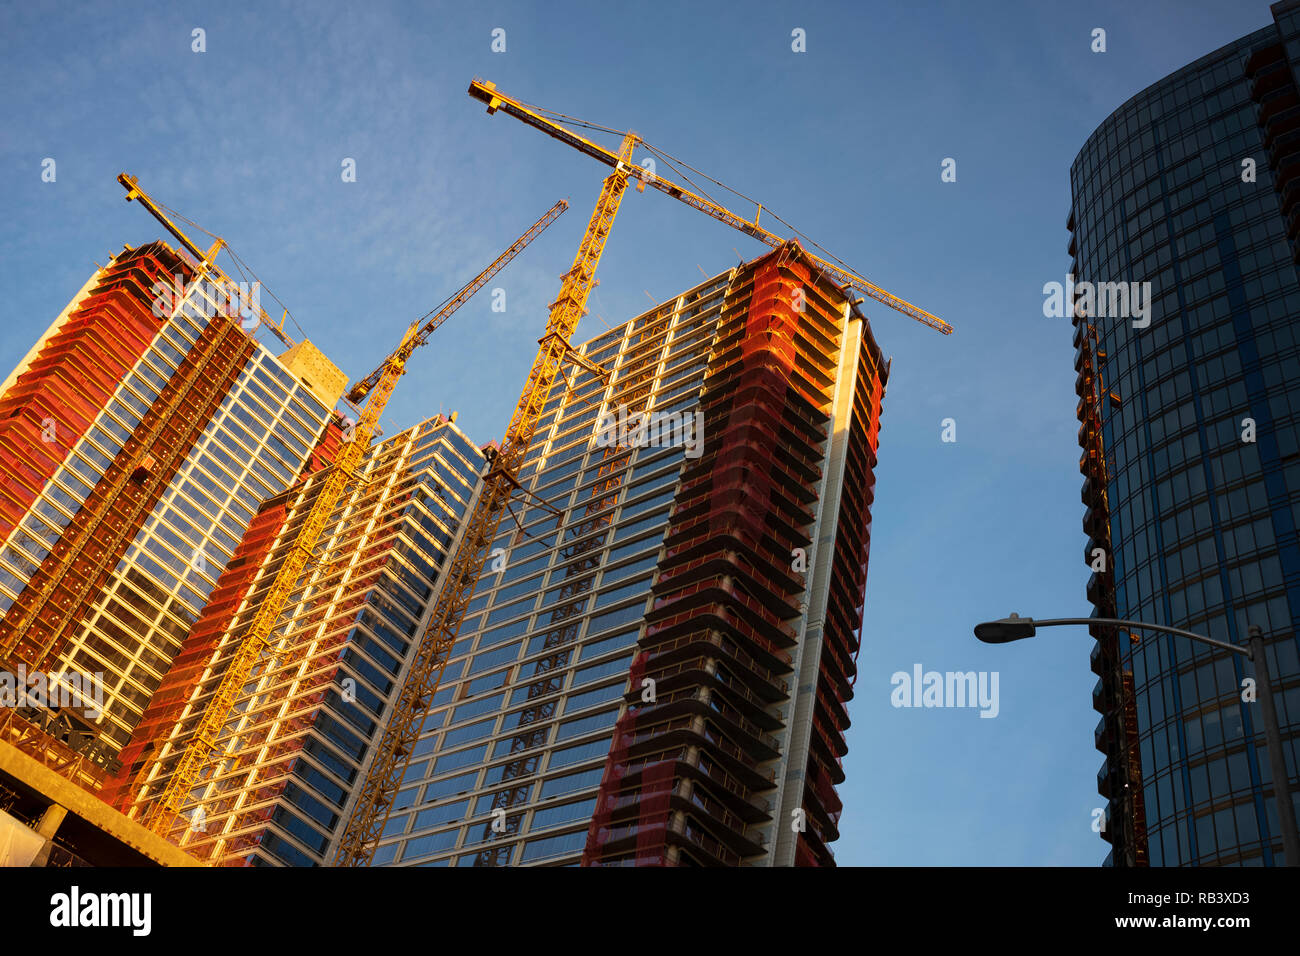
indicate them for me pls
(1017, 628)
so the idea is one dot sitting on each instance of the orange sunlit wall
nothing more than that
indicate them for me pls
(52, 404)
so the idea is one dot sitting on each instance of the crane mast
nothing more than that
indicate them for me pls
(378, 389)
(374, 803)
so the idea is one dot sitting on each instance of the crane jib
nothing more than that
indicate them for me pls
(496, 100)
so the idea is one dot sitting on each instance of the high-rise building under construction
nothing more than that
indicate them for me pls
(657, 660)
(304, 723)
(658, 657)
(137, 439)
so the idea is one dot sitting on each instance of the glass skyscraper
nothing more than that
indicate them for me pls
(1190, 409)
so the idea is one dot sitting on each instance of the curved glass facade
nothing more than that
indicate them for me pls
(1190, 403)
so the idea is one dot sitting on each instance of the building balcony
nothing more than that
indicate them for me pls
(1275, 104)
(1281, 127)
(714, 617)
(1097, 659)
(1095, 522)
(1098, 584)
(1265, 57)
(1092, 492)
(1269, 81)
(686, 701)
(1284, 145)
(1101, 736)
(730, 829)
(700, 644)
(729, 788)
(713, 850)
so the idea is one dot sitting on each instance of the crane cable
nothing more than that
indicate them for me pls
(242, 268)
(670, 160)
(678, 165)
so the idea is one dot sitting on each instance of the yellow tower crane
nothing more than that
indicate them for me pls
(197, 752)
(360, 838)
(206, 260)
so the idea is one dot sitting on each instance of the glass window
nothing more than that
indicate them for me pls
(570, 783)
(434, 816)
(459, 759)
(508, 611)
(432, 843)
(484, 660)
(636, 589)
(489, 682)
(564, 813)
(626, 570)
(451, 786)
(576, 754)
(468, 733)
(531, 586)
(554, 846)
(587, 725)
(590, 698)
(645, 524)
(595, 649)
(481, 706)
(615, 618)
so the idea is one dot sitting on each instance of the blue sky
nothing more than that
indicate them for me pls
(844, 141)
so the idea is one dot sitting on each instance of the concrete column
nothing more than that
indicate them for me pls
(49, 825)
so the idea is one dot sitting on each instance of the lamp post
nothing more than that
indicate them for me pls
(1016, 628)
